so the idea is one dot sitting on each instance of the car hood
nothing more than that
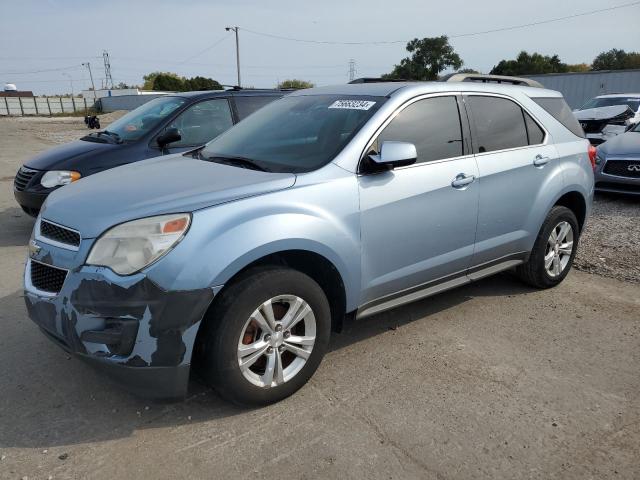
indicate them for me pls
(169, 184)
(64, 157)
(602, 113)
(625, 144)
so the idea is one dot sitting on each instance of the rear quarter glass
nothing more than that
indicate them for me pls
(558, 109)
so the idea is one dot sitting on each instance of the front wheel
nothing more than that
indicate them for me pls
(553, 251)
(265, 336)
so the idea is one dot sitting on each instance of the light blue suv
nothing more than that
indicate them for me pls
(242, 257)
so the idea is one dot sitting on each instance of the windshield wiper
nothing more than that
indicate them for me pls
(235, 161)
(114, 135)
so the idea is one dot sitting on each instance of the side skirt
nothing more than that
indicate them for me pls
(440, 285)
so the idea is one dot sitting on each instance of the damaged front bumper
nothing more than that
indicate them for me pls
(141, 335)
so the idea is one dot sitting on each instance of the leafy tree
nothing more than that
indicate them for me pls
(530, 64)
(173, 82)
(202, 83)
(295, 83)
(616, 59)
(578, 67)
(467, 70)
(429, 57)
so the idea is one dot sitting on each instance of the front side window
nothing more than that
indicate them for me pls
(499, 123)
(432, 125)
(202, 122)
(145, 118)
(245, 106)
(296, 133)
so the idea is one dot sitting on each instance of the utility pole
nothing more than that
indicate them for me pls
(88, 65)
(107, 70)
(352, 69)
(235, 29)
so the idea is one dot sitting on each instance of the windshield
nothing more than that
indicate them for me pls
(295, 134)
(633, 103)
(146, 117)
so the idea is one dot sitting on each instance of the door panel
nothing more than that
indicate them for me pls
(416, 227)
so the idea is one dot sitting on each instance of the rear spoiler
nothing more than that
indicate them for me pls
(479, 77)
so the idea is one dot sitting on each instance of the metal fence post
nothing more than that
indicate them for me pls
(73, 102)
(6, 104)
(61, 105)
(21, 109)
(48, 105)
(35, 104)
(85, 104)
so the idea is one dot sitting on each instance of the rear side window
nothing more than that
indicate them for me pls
(558, 109)
(534, 131)
(432, 125)
(499, 123)
(245, 106)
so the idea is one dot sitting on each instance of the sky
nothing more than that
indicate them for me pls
(44, 42)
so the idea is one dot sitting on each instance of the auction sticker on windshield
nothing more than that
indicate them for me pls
(353, 104)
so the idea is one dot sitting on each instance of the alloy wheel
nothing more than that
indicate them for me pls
(559, 249)
(276, 341)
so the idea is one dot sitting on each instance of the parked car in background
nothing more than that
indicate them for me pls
(618, 163)
(606, 116)
(168, 124)
(332, 202)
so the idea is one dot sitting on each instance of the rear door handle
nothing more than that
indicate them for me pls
(540, 161)
(462, 180)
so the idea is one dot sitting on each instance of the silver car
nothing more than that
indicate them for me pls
(618, 163)
(241, 257)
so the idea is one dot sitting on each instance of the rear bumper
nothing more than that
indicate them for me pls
(127, 327)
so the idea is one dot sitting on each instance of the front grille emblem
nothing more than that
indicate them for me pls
(634, 168)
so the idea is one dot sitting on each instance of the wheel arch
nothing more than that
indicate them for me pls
(575, 202)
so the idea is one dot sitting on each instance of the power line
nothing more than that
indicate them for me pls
(41, 71)
(205, 50)
(459, 35)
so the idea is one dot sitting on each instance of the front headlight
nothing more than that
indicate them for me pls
(129, 247)
(55, 178)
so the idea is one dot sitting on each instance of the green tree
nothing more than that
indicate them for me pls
(467, 70)
(428, 58)
(578, 67)
(616, 59)
(530, 64)
(295, 83)
(202, 83)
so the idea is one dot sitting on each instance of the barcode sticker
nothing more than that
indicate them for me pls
(353, 104)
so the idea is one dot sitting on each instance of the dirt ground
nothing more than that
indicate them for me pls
(492, 380)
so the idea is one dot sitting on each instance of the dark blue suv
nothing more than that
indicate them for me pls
(168, 124)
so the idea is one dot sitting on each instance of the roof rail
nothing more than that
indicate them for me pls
(480, 77)
(377, 80)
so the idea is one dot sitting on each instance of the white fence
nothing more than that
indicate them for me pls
(43, 105)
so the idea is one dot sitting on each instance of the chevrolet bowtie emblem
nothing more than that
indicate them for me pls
(34, 248)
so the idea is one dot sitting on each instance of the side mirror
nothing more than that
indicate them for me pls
(170, 135)
(395, 154)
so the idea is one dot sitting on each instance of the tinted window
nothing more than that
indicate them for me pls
(202, 122)
(632, 103)
(558, 109)
(534, 131)
(432, 125)
(499, 123)
(296, 133)
(247, 105)
(146, 117)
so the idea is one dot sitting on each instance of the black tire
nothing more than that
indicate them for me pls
(218, 342)
(534, 272)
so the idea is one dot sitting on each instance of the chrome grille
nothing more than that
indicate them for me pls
(47, 278)
(59, 234)
(23, 177)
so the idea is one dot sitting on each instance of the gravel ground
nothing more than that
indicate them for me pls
(610, 244)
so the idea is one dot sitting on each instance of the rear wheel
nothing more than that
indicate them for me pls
(265, 336)
(553, 251)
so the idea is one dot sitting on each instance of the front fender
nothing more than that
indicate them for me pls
(319, 217)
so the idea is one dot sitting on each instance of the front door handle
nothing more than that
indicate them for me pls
(540, 161)
(462, 180)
